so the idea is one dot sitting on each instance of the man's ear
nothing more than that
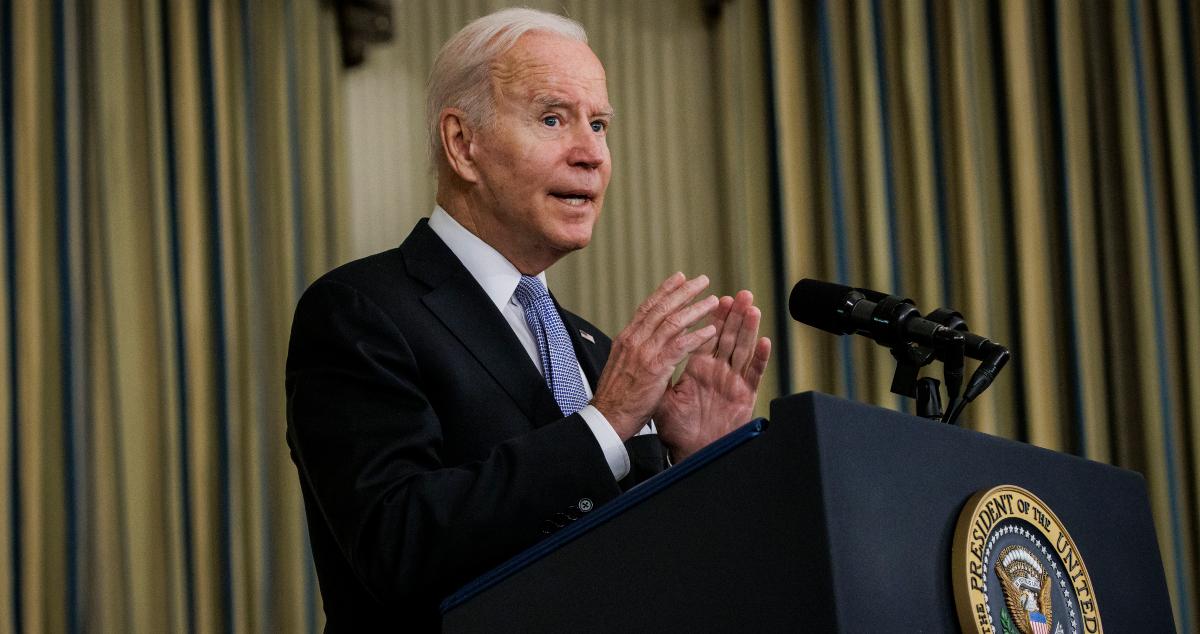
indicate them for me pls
(457, 137)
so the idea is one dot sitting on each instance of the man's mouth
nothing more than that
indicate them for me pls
(575, 199)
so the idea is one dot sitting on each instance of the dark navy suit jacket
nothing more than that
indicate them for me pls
(428, 445)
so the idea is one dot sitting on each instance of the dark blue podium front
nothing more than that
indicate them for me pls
(836, 516)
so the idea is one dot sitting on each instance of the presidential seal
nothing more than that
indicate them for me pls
(1016, 570)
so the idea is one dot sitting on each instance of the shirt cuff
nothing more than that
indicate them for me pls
(610, 443)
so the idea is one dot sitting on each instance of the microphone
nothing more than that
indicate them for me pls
(991, 356)
(889, 320)
(895, 322)
(974, 346)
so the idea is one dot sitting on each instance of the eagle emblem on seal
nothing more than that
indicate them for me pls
(1027, 590)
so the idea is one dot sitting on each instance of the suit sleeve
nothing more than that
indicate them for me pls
(367, 444)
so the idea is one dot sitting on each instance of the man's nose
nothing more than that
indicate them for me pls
(589, 148)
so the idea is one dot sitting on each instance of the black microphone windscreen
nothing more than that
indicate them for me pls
(874, 296)
(816, 303)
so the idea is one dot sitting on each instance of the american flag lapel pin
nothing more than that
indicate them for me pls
(587, 336)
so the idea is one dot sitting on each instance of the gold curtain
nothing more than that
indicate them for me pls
(169, 183)
(1033, 165)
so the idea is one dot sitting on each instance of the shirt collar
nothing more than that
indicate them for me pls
(497, 276)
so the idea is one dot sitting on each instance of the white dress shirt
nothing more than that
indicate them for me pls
(499, 279)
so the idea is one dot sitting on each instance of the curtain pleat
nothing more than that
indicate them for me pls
(1080, 253)
(10, 598)
(1033, 165)
(744, 170)
(40, 521)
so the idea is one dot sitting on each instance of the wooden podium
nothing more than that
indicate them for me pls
(835, 516)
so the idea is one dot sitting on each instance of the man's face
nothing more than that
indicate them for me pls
(543, 162)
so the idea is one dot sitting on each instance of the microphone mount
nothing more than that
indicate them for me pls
(914, 341)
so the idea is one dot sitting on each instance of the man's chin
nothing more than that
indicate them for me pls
(576, 233)
(571, 242)
(570, 246)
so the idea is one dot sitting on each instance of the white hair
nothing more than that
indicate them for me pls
(461, 75)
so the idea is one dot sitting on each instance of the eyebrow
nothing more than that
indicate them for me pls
(550, 101)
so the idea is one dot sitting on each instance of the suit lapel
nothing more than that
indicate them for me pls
(461, 305)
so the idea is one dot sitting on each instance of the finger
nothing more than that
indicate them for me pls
(686, 343)
(679, 321)
(758, 364)
(718, 321)
(733, 325)
(685, 293)
(722, 312)
(747, 334)
(747, 337)
(674, 281)
(659, 306)
(687, 317)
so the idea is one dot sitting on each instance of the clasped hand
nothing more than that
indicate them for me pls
(719, 385)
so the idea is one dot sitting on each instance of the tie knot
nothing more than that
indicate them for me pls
(529, 290)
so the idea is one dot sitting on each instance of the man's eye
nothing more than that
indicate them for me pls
(550, 121)
(599, 126)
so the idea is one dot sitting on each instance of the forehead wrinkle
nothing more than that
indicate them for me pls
(547, 100)
(530, 77)
(504, 70)
(524, 73)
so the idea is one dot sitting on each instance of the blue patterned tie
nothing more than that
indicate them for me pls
(559, 364)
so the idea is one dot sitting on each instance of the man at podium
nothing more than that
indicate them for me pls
(444, 412)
